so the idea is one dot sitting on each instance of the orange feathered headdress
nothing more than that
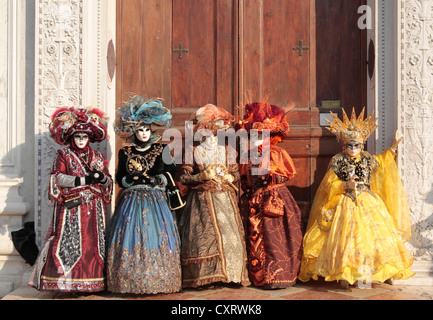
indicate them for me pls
(264, 116)
(212, 118)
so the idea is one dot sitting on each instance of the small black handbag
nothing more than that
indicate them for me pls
(72, 203)
(174, 197)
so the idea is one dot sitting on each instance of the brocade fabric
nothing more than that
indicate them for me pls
(212, 235)
(360, 237)
(142, 238)
(274, 239)
(73, 256)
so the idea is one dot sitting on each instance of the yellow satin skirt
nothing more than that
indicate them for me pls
(362, 243)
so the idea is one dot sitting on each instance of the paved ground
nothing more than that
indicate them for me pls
(313, 290)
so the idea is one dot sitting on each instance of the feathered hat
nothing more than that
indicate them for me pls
(212, 118)
(65, 122)
(356, 129)
(264, 116)
(141, 111)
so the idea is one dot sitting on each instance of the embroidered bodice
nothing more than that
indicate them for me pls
(134, 161)
(211, 154)
(360, 169)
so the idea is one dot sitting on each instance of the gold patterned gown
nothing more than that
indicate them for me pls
(210, 227)
(358, 236)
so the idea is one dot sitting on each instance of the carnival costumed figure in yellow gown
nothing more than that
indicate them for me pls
(359, 219)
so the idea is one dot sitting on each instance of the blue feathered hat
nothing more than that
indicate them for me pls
(141, 111)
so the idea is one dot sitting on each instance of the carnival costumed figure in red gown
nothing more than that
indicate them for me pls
(73, 257)
(271, 216)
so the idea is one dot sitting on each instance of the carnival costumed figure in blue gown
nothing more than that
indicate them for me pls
(142, 239)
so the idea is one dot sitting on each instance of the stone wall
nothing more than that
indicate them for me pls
(415, 117)
(13, 207)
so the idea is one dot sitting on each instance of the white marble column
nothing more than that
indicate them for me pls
(12, 206)
(415, 118)
(58, 63)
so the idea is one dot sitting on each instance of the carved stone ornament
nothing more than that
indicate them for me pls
(59, 30)
(416, 159)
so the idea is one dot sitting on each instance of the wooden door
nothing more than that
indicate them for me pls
(182, 51)
(194, 52)
(203, 56)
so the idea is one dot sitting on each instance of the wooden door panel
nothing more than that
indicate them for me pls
(286, 74)
(143, 48)
(206, 73)
(194, 74)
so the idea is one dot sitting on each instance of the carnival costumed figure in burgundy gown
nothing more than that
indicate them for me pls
(212, 235)
(142, 239)
(73, 257)
(271, 216)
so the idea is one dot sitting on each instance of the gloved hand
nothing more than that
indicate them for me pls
(84, 181)
(207, 174)
(98, 176)
(153, 181)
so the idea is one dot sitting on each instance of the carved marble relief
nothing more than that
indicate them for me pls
(59, 30)
(416, 120)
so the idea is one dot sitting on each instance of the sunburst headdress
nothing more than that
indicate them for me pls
(357, 128)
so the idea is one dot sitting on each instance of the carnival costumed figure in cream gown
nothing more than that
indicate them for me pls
(212, 235)
(359, 219)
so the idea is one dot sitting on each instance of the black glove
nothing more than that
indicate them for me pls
(133, 178)
(98, 176)
(88, 180)
(153, 181)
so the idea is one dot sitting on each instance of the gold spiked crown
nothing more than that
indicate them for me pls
(357, 128)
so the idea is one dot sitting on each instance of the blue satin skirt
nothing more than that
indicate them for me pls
(143, 246)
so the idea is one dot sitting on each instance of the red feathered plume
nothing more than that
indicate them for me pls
(98, 112)
(77, 120)
(60, 110)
